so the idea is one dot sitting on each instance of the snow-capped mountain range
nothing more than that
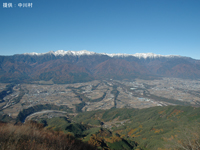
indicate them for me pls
(63, 53)
(85, 52)
(81, 66)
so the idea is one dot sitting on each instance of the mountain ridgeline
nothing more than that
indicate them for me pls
(85, 66)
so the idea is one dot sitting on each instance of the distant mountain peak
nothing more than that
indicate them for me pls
(143, 55)
(152, 55)
(85, 52)
(62, 53)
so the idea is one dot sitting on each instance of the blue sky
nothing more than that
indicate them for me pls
(103, 26)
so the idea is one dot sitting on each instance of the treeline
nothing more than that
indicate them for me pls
(115, 92)
(26, 112)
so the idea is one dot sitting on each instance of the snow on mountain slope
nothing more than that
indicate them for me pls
(85, 52)
(62, 53)
(143, 55)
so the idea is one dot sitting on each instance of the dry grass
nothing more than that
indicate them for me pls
(32, 136)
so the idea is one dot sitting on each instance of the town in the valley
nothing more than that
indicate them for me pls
(104, 94)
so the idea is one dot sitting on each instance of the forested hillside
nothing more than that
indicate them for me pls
(151, 128)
